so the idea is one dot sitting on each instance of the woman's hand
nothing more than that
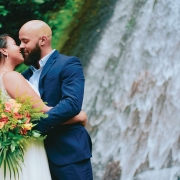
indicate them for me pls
(80, 118)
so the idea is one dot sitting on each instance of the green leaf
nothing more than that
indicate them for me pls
(9, 165)
(12, 147)
(3, 11)
(13, 165)
(38, 1)
(1, 156)
(6, 143)
(36, 134)
(4, 169)
(16, 130)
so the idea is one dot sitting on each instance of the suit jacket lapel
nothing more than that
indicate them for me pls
(27, 74)
(48, 65)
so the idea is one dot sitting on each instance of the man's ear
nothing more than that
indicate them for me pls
(43, 40)
(4, 52)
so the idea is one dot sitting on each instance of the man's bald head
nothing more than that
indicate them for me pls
(35, 37)
(37, 28)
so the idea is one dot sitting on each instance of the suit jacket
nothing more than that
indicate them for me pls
(61, 85)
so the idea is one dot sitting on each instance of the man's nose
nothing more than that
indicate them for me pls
(21, 45)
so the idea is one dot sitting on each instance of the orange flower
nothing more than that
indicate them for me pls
(28, 126)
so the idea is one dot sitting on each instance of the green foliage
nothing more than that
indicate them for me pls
(62, 19)
(14, 14)
(21, 68)
(3, 11)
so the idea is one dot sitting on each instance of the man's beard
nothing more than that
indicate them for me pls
(33, 57)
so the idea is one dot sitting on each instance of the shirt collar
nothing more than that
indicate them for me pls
(43, 61)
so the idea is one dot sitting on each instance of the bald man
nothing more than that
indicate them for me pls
(60, 81)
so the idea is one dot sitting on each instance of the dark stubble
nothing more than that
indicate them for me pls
(33, 57)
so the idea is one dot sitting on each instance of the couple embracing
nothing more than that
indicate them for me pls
(58, 80)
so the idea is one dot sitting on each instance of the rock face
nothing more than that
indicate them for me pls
(113, 171)
(87, 28)
(132, 93)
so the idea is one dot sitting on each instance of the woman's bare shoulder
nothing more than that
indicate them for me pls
(12, 76)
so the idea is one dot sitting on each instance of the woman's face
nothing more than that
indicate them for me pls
(13, 51)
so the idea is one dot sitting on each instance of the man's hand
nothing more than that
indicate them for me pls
(80, 118)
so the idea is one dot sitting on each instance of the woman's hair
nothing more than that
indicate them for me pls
(3, 44)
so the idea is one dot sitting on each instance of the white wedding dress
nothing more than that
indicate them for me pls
(35, 165)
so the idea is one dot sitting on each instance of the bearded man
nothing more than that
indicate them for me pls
(60, 81)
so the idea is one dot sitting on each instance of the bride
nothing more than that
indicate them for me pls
(35, 159)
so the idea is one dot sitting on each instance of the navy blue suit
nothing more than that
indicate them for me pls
(61, 85)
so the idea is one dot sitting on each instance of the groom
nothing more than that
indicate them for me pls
(60, 81)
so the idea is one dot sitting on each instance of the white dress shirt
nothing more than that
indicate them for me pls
(34, 79)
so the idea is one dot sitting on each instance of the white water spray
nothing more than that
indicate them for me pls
(132, 92)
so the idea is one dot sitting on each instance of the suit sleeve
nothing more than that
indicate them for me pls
(72, 89)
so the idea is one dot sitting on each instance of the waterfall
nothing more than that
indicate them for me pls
(132, 93)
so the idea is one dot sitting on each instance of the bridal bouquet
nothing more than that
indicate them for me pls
(16, 122)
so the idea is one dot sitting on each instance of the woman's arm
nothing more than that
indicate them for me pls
(80, 118)
(16, 86)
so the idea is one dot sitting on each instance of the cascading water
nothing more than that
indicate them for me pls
(132, 93)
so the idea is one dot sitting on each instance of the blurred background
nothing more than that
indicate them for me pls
(130, 52)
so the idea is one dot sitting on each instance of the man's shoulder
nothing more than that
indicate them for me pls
(66, 59)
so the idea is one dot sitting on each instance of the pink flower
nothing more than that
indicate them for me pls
(8, 106)
(16, 106)
(12, 104)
